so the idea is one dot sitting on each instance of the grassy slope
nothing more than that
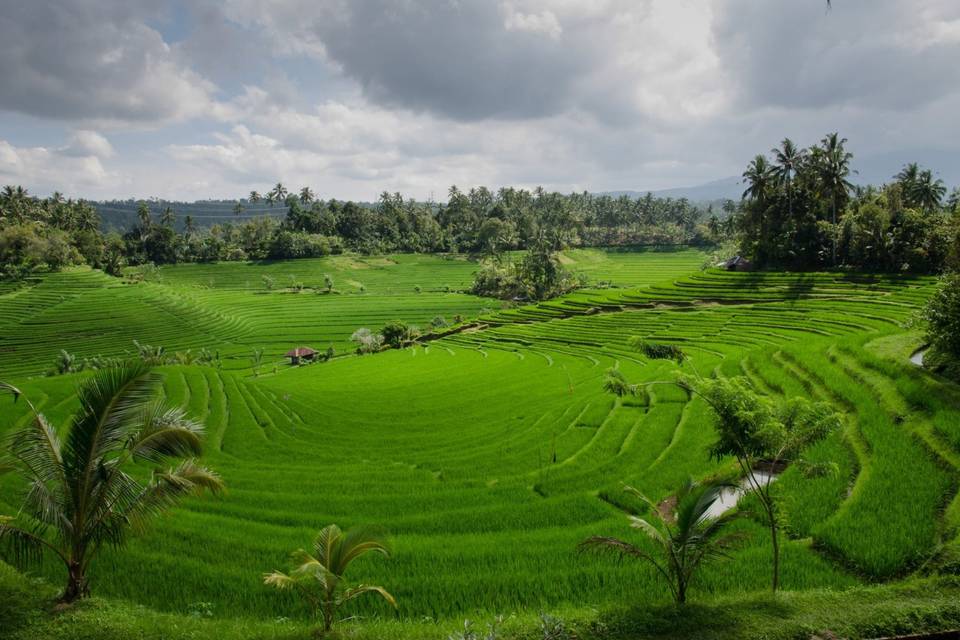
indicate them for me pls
(467, 482)
(865, 612)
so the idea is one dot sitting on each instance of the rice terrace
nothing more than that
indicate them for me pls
(724, 411)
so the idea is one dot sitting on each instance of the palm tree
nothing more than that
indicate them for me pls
(238, 207)
(759, 178)
(682, 541)
(79, 495)
(279, 193)
(306, 195)
(319, 577)
(928, 193)
(254, 197)
(787, 158)
(834, 171)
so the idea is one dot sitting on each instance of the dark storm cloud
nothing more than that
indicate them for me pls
(870, 54)
(457, 59)
(92, 60)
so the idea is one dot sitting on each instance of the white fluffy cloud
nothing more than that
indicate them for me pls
(67, 169)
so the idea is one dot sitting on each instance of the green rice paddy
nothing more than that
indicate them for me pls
(490, 453)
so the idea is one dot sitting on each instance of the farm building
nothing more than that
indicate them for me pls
(301, 353)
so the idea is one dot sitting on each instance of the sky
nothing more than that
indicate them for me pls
(215, 98)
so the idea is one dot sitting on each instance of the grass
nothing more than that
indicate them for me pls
(927, 605)
(490, 454)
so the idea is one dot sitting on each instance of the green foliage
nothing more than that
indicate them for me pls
(537, 276)
(80, 494)
(754, 429)
(802, 212)
(319, 577)
(942, 317)
(616, 383)
(658, 351)
(464, 481)
(683, 538)
(397, 334)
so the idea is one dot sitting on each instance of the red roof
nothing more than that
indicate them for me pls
(301, 352)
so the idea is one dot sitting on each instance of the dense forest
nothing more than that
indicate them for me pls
(800, 210)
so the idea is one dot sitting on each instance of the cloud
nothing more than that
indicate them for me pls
(872, 54)
(85, 143)
(356, 96)
(544, 22)
(523, 59)
(94, 62)
(45, 170)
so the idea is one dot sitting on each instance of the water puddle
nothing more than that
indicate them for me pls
(730, 496)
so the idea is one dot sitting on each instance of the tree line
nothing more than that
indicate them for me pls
(801, 211)
(50, 233)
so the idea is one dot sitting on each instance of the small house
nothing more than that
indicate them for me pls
(301, 353)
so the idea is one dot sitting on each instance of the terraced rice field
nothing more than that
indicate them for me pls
(490, 453)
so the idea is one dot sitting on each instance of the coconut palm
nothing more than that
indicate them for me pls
(254, 197)
(759, 178)
(279, 193)
(306, 195)
(238, 207)
(928, 192)
(834, 169)
(787, 160)
(682, 540)
(318, 577)
(79, 495)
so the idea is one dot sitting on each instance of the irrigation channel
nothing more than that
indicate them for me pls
(730, 496)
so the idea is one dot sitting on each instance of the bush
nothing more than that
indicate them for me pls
(398, 334)
(943, 327)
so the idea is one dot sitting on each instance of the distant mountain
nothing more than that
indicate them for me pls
(873, 169)
(708, 192)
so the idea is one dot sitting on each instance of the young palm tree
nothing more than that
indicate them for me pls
(682, 541)
(79, 494)
(319, 577)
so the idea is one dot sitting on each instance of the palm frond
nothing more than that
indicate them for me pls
(605, 543)
(36, 448)
(4, 386)
(165, 432)
(652, 532)
(166, 488)
(357, 542)
(110, 403)
(326, 543)
(23, 546)
(279, 580)
(359, 590)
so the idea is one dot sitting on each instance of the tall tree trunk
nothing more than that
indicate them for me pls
(776, 547)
